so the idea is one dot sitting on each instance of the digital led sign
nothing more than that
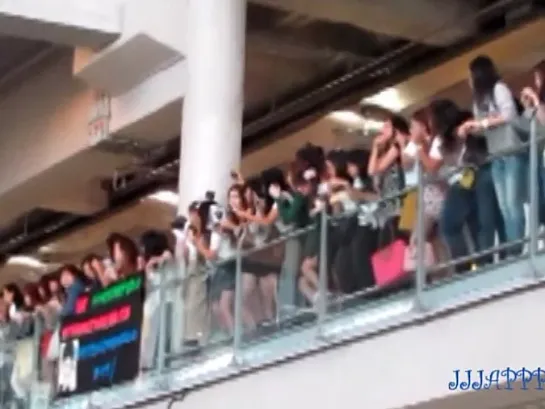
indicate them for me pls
(100, 343)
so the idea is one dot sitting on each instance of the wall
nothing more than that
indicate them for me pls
(410, 366)
(42, 122)
(45, 158)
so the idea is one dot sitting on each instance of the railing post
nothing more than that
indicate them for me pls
(37, 334)
(322, 288)
(238, 331)
(161, 339)
(178, 317)
(534, 196)
(420, 235)
(35, 396)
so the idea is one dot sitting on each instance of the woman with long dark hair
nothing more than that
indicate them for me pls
(155, 256)
(260, 267)
(216, 247)
(13, 297)
(92, 267)
(534, 97)
(365, 240)
(74, 282)
(470, 196)
(124, 254)
(196, 282)
(421, 139)
(275, 179)
(495, 108)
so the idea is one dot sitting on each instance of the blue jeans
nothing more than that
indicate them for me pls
(489, 220)
(509, 174)
(457, 209)
(476, 208)
(541, 188)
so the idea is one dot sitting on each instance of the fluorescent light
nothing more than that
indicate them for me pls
(26, 261)
(47, 248)
(348, 118)
(165, 196)
(388, 98)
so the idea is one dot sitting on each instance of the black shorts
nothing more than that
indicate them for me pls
(259, 268)
(223, 279)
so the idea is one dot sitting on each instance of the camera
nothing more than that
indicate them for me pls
(216, 215)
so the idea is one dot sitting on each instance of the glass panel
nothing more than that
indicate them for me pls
(483, 220)
(409, 252)
(192, 331)
(278, 285)
(7, 348)
(365, 249)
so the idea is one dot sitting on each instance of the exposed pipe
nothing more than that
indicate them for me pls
(28, 64)
(286, 110)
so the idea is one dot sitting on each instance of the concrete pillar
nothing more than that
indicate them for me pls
(214, 101)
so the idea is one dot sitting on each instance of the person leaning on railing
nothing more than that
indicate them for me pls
(470, 197)
(349, 269)
(294, 209)
(420, 139)
(386, 169)
(20, 315)
(259, 277)
(495, 108)
(533, 99)
(196, 255)
(268, 216)
(6, 355)
(155, 257)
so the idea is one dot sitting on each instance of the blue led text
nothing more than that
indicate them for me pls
(105, 370)
(108, 344)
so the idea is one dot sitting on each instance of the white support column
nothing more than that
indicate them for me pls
(214, 101)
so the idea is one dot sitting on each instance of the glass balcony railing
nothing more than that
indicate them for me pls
(344, 275)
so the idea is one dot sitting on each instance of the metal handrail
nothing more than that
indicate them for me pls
(168, 282)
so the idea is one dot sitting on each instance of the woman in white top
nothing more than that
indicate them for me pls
(13, 297)
(347, 269)
(421, 140)
(262, 264)
(385, 165)
(252, 270)
(23, 365)
(217, 247)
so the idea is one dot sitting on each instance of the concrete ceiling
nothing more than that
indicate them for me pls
(16, 54)
(425, 21)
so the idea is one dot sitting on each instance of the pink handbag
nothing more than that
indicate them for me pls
(409, 263)
(388, 263)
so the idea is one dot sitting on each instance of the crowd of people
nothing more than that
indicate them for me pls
(476, 166)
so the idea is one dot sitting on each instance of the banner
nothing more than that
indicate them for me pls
(100, 343)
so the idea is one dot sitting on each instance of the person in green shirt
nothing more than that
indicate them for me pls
(293, 207)
(300, 208)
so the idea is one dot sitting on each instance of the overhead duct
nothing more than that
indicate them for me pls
(426, 21)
